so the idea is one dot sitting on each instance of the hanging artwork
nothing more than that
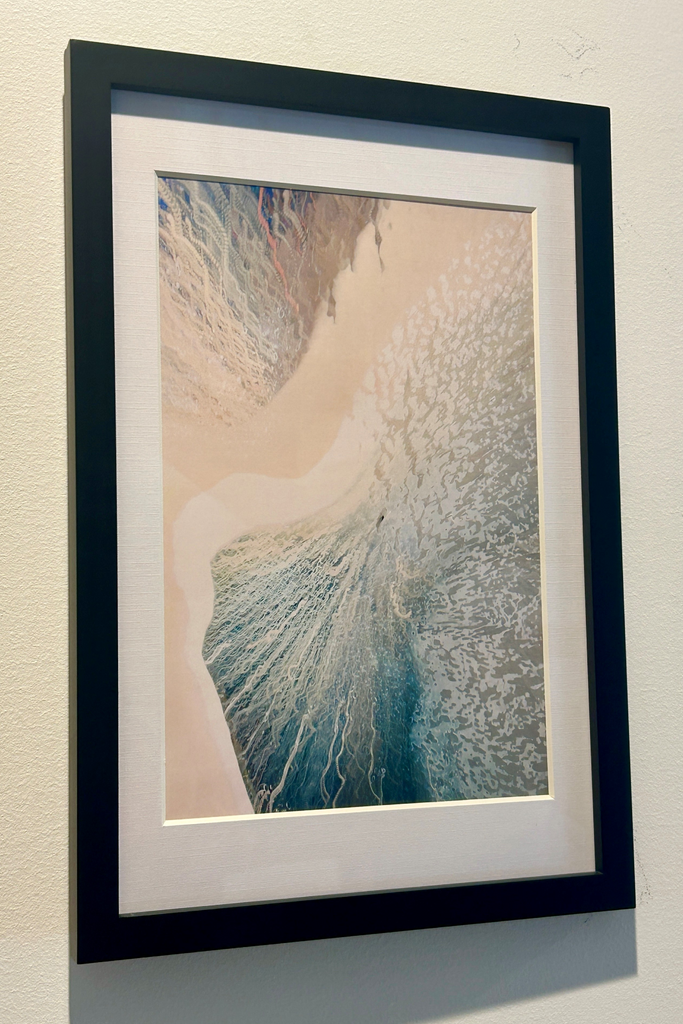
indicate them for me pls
(348, 649)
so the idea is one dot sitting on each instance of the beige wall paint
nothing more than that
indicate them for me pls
(607, 968)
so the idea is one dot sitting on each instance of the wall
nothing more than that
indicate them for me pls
(608, 968)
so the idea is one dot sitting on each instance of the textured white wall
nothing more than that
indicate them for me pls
(620, 967)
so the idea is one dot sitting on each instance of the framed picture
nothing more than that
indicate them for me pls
(347, 614)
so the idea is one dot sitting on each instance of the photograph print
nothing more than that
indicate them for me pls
(352, 535)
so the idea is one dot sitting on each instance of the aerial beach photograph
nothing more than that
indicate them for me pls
(352, 543)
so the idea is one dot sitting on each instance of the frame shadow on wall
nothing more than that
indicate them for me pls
(399, 978)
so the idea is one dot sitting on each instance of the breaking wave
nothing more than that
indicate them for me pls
(389, 648)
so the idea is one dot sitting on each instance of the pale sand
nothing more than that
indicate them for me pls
(294, 457)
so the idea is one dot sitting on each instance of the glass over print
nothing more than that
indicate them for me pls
(351, 500)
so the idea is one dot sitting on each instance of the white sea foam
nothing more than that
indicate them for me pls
(376, 632)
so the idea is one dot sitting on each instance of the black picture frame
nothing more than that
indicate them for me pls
(98, 932)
